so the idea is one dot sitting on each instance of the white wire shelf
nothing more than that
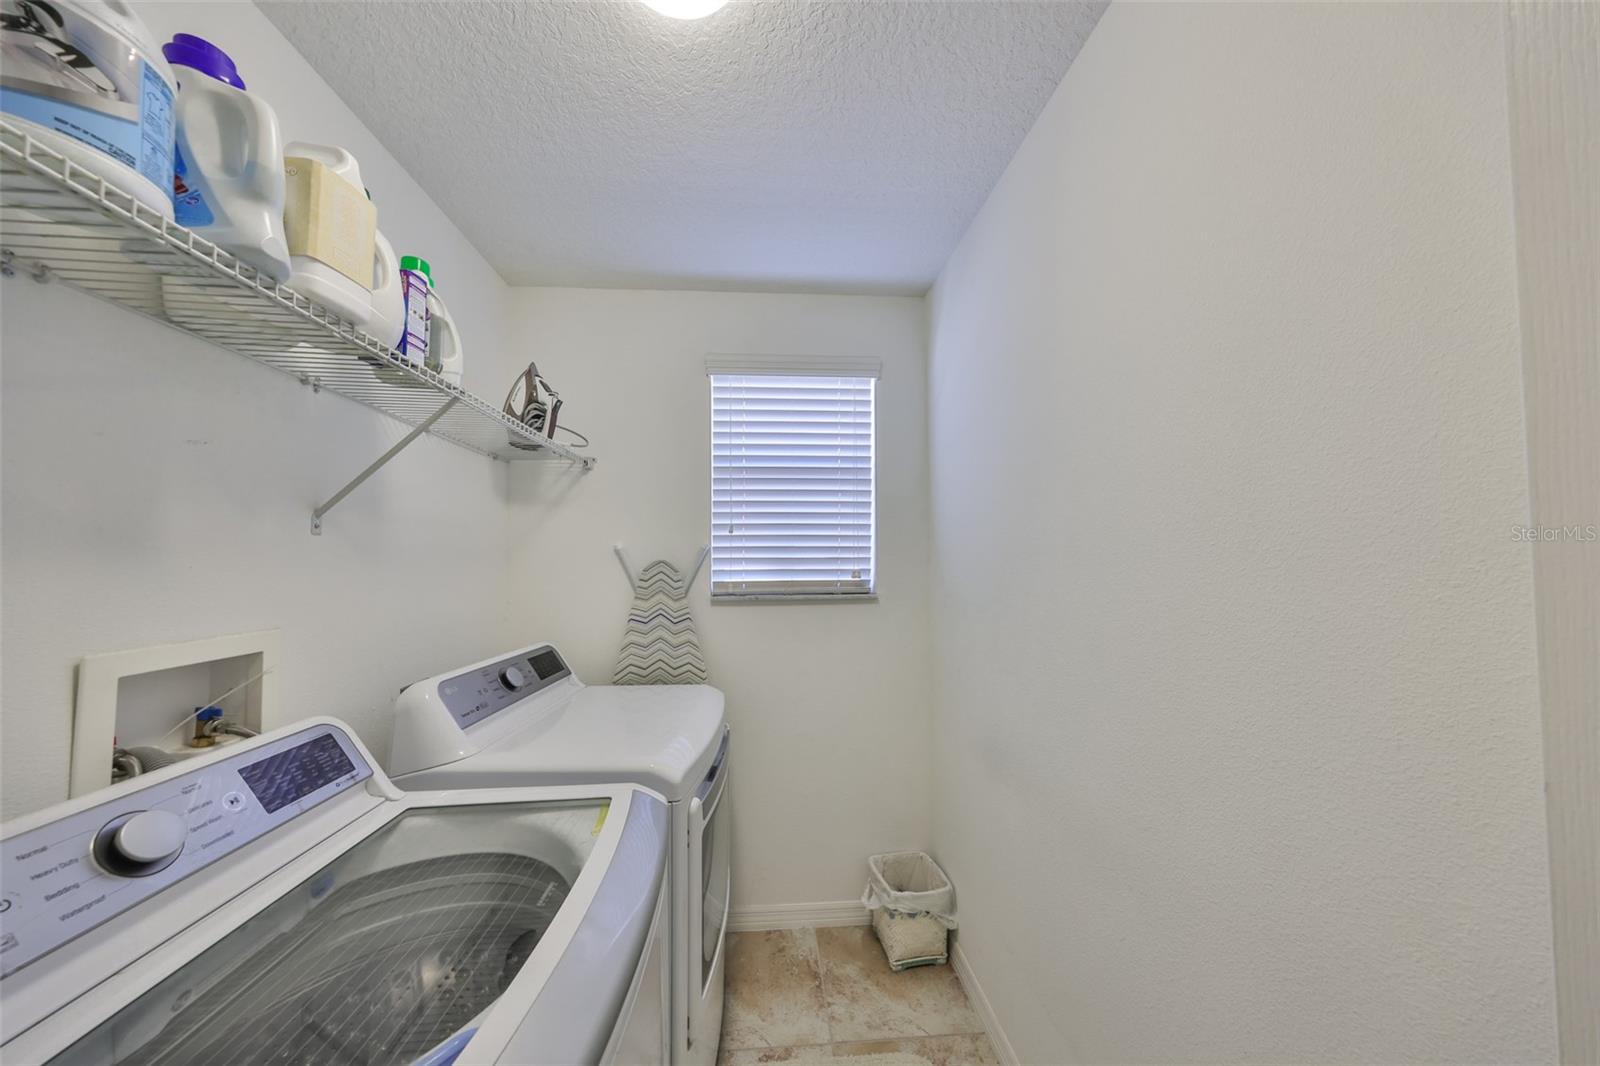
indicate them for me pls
(59, 221)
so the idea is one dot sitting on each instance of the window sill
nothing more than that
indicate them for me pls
(758, 598)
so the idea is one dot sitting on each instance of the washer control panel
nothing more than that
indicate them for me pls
(483, 692)
(64, 878)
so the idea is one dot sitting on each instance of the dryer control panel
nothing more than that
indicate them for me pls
(485, 691)
(63, 878)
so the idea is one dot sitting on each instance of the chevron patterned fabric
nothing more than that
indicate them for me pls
(661, 646)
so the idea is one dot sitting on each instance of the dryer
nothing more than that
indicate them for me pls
(524, 718)
(282, 901)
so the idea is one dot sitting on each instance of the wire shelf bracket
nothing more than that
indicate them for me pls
(60, 222)
(378, 464)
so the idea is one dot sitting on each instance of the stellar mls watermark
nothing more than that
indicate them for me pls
(1589, 534)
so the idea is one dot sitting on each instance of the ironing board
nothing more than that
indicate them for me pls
(660, 646)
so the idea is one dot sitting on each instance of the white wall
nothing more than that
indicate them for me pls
(828, 703)
(1554, 74)
(157, 489)
(1252, 769)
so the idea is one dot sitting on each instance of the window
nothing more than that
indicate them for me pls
(792, 486)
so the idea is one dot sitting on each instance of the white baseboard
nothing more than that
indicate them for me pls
(980, 1002)
(797, 915)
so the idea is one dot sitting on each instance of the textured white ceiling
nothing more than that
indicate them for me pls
(828, 146)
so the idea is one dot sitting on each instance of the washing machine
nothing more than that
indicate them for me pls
(283, 902)
(523, 718)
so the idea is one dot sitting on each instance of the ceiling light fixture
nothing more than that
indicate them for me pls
(685, 9)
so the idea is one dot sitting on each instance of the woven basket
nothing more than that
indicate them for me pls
(913, 908)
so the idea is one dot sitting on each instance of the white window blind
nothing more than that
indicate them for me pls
(791, 485)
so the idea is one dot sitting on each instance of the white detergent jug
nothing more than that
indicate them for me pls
(228, 183)
(87, 80)
(332, 228)
(387, 320)
(444, 341)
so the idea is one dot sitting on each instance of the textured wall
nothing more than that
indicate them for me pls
(157, 489)
(829, 703)
(1554, 76)
(1237, 698)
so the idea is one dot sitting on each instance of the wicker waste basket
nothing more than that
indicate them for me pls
(913, 908)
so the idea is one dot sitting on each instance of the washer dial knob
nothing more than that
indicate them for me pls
(513, 678)
(141, 843)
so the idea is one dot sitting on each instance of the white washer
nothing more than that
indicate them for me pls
(283, 901)
(522, 718)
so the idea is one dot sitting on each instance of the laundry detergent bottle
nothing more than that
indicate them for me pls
(444, 340)
(416, 279)
(228, 168)
(86, 79)
(387, 318)
(332, 228)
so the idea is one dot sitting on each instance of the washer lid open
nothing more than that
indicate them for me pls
(382, 955)
(314, 912)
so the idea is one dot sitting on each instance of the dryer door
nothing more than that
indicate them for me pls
(710, 889)
(716, 880)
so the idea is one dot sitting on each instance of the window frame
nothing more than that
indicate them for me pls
(795, 366)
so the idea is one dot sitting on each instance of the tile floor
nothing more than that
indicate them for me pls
(811, 995)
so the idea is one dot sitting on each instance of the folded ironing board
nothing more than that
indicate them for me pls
(660, 646)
